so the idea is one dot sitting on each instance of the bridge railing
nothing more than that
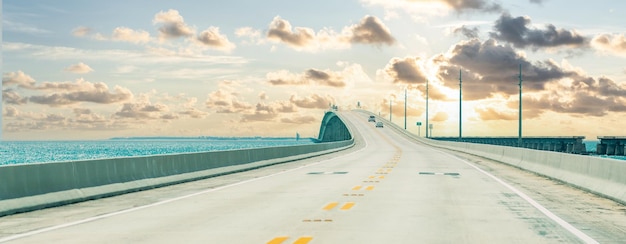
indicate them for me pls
(601, 176)
(26, 187)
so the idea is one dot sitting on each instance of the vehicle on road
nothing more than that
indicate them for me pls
(372, 118)
(379, 124)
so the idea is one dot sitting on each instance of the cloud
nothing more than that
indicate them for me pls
(610, 43)
(490, 113)
(11, 97)
(299, 120)
(469, 33)
(473, 5)
(440, 117)
(406, 70)
(263, 96)
(172, 25)
(129, 35)
(262, 112)
(79, 68)
(67, 93)
(144, 110)
(226, 101)
(18, 78)
(309, 77)
(325, 78)
(212, 38)
(281, 30)
(194, 113)
(312, 101)
(517, 32)
(11, 26)
(397, 108)
(371, 31)
(420, 8)
(489, 68)
(81, 31)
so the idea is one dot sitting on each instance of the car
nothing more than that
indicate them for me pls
(372, 118)
(379, 124)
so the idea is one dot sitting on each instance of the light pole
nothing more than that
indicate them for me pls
(460, 107)
(405, 109)
(390, 110)
(426, 108)
(519, 132)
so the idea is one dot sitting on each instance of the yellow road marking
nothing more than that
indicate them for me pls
(371, 177)
(278, 240)
(369, 188)
(347, 206)
(331, 205)
(356, 188)
(381, 177)
(303, 240)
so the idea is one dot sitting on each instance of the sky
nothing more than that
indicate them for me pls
(90, 70)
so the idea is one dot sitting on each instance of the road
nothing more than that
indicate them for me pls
(385, 190)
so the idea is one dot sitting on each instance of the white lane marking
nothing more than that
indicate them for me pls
(581, 235)
(35, 232)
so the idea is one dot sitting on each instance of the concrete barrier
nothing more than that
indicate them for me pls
(26, 187)
(601, 176)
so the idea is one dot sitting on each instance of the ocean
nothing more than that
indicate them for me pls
(21, 152)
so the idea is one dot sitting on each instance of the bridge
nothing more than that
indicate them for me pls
(360, 185)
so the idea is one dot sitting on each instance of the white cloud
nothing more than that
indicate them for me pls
(79, 68)
(129, 35)
(212, 38)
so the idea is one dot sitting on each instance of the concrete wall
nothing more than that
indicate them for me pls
(26, 187)
(602, 176)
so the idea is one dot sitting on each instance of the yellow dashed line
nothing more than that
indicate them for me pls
(347, 206)
(381, 177)
(356, 188)
(303, 240)
(331, 205)
(369, 188)
(278, 240)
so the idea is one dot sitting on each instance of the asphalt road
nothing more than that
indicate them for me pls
(385, 190)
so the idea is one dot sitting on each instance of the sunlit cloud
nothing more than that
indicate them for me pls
(212, 38)
(370, 30)
(129, 35)
(79, 68)
(172, 25)
(613, 44)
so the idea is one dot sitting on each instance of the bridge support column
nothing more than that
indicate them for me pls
(610, 149)
(601, 148)
(619, 149)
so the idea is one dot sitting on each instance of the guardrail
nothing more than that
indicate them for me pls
(26, 187)
(601, 176)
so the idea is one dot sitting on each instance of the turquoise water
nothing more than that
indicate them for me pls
(19, 152)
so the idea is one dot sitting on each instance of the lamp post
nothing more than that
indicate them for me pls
(460, 107)
(390, 110)
(426, 108)
(405, 109)
(519, 132)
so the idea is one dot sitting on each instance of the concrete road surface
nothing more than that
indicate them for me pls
(385, 190)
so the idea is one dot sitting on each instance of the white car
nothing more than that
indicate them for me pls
(379, 124)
